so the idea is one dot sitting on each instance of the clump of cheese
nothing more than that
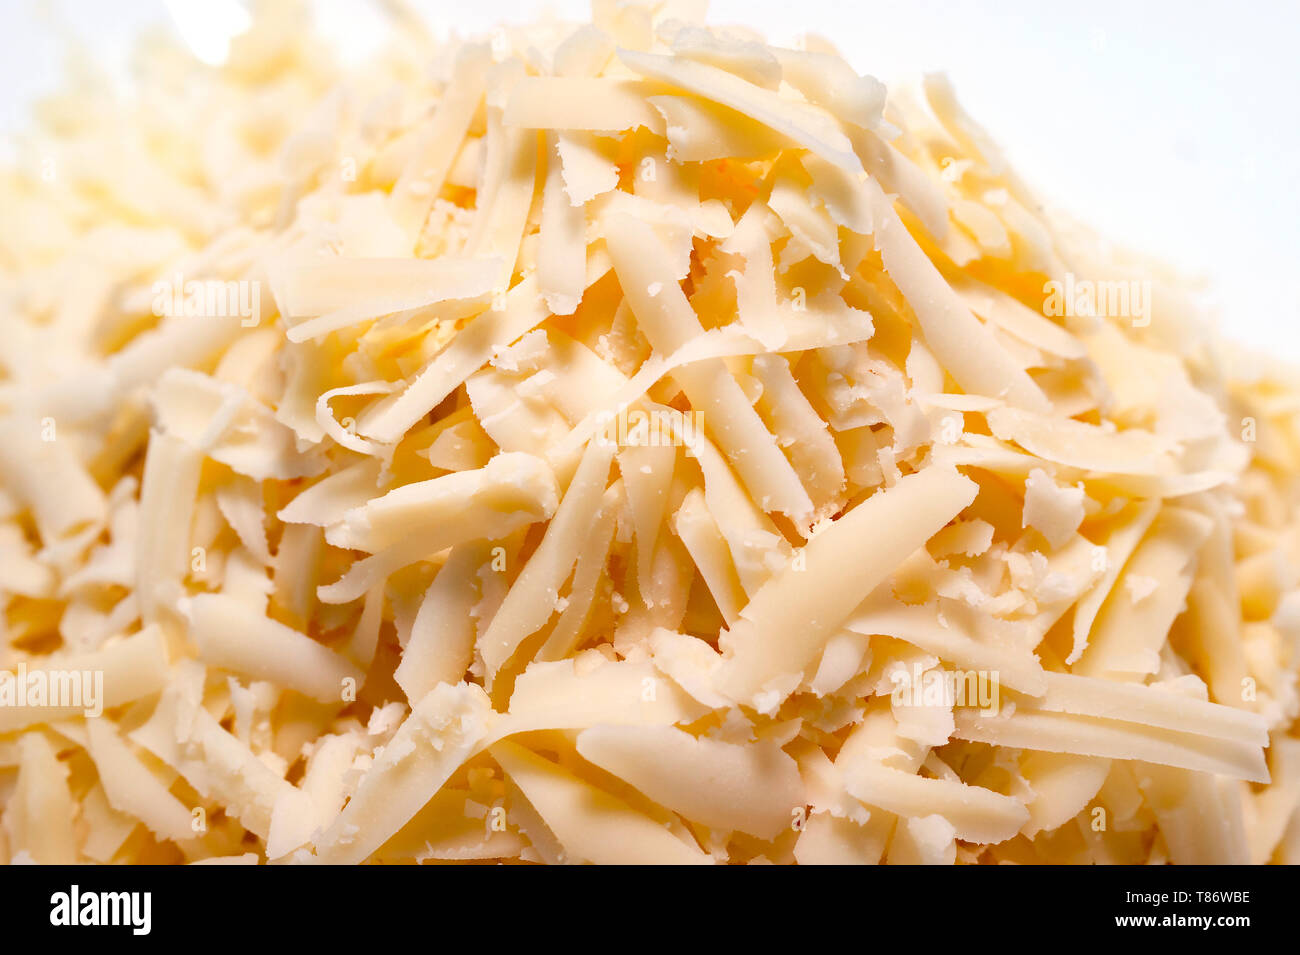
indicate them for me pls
(615, 442)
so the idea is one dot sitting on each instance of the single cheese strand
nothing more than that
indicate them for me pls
(1150, 705)
(487, 502)
(560, 696)
(756, 285)
(690, 663)
(789, 620)
(40, 812)
(107, 830)
(592, 825)
(328, 500)
(240, 503)
(456, 826)
(583, 384)
(43, 471)
(976, 814)
(1200, 816)
(1090, 736)
(294, 572)
(236, 637)
(132, 788)
(441, 645)
(582, 103)
(407, 284)
(1213, 626)
(1063, 787)
(753, 61)
(1081, 445)
(828, 839)
(331, 284)
(923, 840)
(586, 52)
(829, 81)
(848, 204)
(754, 788)
(809, 222)
(899, 176)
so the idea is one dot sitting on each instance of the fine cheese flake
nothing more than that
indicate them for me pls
(1053, 510)
(618, 442)
(588, 165)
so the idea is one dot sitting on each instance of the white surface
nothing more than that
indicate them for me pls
(1170, 126)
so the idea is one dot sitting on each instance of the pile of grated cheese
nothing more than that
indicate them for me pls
(625, 442)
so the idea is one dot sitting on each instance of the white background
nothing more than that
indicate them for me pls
(1170, 126)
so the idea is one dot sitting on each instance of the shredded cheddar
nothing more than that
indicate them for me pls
(620, 442)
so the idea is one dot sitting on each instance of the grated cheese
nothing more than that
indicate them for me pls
(621, 442)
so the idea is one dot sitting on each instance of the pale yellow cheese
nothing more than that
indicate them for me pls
(620, 442)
